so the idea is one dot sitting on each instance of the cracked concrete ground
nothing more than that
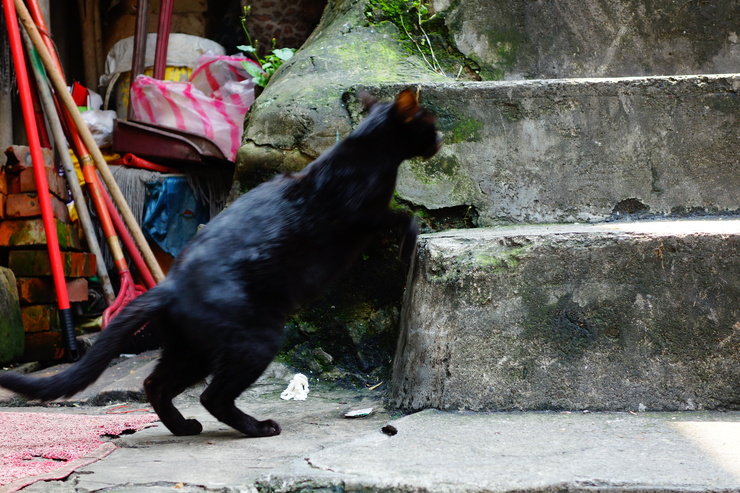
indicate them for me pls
(432, 451)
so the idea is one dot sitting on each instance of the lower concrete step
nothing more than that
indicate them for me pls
(616, 316)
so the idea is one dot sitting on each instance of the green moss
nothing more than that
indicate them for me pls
(396, 11)
(500, 261)
(467, 130)
(444, 165)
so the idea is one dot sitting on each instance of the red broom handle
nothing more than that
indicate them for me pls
(39, 171)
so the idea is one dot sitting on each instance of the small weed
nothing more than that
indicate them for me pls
(267, 65)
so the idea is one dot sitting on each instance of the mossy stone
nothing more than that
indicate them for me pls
(12, 337)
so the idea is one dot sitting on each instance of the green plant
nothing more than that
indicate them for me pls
(267, 65)
(422, 16)
(411, 17)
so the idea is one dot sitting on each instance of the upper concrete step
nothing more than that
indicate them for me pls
(580, 150)
(621, 316)
(521, 39)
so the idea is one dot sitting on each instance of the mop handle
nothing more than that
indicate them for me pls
(47, 102)
(62, 92)
(42, 185)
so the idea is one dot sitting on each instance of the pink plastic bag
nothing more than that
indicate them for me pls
(212, 104)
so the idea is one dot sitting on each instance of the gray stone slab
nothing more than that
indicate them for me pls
(580, 150)
(518, 39)
(620, 316)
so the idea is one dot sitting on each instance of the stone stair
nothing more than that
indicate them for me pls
(637, 310)
(628, 316)
(629, 302)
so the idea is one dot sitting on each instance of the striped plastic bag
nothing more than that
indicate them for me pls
(212, 104)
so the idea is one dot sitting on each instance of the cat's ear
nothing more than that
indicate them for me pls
(367, 100)
(407, 105)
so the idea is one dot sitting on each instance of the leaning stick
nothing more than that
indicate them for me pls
(57, 132)
(60, 87)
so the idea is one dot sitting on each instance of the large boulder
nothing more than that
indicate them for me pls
(302, 112)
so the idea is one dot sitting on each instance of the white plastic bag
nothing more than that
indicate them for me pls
(100, 123)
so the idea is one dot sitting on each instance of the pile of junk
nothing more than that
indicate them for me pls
(143, 177)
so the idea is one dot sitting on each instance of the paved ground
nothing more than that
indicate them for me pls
(432, 451)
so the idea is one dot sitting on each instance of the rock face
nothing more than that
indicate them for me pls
(520, 39)
(12, 336)
(621, 317)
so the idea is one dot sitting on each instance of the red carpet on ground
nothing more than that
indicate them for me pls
(45, 446)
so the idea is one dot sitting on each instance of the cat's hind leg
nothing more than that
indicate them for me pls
(173, 374)
(234, 373)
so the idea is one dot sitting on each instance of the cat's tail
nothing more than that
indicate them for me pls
(83, 373)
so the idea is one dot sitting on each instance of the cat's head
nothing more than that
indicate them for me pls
(413, 126)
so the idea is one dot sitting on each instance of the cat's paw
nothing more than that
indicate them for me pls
(188, 427)
(268, 428)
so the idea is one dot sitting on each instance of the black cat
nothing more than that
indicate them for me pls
(222, 308)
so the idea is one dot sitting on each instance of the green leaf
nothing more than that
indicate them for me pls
(284, 54)
(253, 70)
(246, 48)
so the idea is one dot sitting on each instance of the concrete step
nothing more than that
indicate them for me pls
(580, 150)
(618, 316)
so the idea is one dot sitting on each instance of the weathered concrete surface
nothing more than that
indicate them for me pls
(12, 337)
(622, 316)
(521, 39)
(432, 451)
(581, 150)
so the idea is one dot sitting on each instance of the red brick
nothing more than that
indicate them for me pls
(28, 263)
(19, 157)
(30, 232)
(44, 339)
(28, 205)
(40, 318)
(3, 182)
(25, 181)
(2, 205)
(43, 346)
(34, 290)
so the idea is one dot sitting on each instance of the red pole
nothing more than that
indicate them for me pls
(163, 38)
(39, 171)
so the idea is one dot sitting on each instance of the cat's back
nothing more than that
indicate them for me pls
(248, 229)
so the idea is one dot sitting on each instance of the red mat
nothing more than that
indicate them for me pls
(46, 446)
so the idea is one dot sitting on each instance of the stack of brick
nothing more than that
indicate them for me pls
(24, 251)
